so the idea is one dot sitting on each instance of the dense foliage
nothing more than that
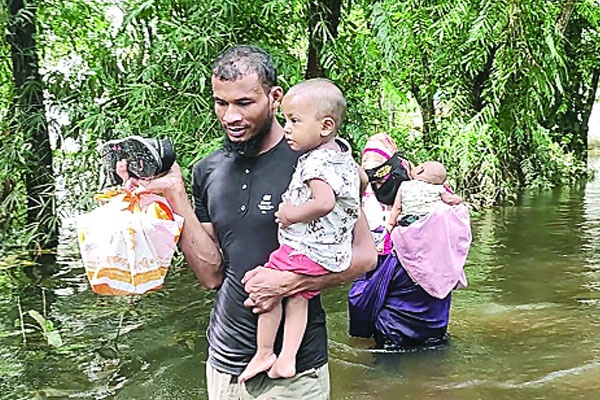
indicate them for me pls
(499, 91)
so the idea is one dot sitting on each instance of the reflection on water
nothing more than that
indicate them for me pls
(527, 327)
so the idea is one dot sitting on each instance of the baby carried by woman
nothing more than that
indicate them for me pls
(405, 302)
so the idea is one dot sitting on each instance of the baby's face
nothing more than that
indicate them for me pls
(302, 127)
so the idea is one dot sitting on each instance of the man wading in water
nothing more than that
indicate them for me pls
(231, 229)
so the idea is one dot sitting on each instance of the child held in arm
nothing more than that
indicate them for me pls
(417, 197)
(316, 216)
(433, 235)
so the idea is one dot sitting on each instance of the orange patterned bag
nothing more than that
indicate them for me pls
(127, 244)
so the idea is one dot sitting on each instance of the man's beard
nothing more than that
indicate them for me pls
(250, 147)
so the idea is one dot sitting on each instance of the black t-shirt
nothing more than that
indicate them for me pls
(239, 196)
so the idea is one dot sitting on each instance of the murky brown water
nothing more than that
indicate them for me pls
(527, 327)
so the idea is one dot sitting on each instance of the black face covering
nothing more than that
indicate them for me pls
(396, 174)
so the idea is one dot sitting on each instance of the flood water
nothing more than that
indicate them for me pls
(527, 327)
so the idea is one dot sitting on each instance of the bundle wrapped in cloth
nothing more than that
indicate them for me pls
(127, 244)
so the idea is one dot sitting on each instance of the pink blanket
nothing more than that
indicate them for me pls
(433, 249)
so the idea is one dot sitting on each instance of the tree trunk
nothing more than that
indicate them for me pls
(321, 14)
(425, 101)
(481, 79)
(31, 117)
(587, 109)
(424, 92)
(565, 15)
(579, 93)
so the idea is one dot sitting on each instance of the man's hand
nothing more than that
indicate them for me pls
(282, 215)
(198, 241)
(266, 287)
(170, 185)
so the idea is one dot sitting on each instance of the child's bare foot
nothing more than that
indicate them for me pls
(258, 364)
(282, 368)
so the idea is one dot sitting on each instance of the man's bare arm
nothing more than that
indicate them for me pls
(199, 247)
(198, 242)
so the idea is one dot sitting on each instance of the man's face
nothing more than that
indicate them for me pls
(243, 108)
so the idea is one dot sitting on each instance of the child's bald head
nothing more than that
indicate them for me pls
(430, 171)
(326, 97)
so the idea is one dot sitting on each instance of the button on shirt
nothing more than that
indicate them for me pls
(239, 197)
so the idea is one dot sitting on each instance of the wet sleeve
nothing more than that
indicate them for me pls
(199, 193)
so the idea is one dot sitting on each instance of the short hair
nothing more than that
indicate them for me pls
(239, 61)
(329, 100)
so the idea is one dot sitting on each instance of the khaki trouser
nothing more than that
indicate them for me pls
(312, 384)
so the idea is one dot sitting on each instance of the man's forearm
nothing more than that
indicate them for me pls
(364, 258)
(313, 283)
(265, 286)
(200, 251)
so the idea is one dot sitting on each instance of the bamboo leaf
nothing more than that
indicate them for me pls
(38, 318)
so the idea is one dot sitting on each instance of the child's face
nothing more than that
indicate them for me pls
(302, 127)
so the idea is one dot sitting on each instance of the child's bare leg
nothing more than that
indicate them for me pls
(268, 324)
(296, 315)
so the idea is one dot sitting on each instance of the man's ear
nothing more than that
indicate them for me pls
(276, 95)
(327, 126)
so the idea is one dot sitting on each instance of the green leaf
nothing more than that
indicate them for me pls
(54, 339)
(49, 326)
(39, 319)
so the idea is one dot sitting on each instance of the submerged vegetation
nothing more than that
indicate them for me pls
(499, 91)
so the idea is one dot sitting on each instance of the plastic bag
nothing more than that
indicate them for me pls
(127, 244)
